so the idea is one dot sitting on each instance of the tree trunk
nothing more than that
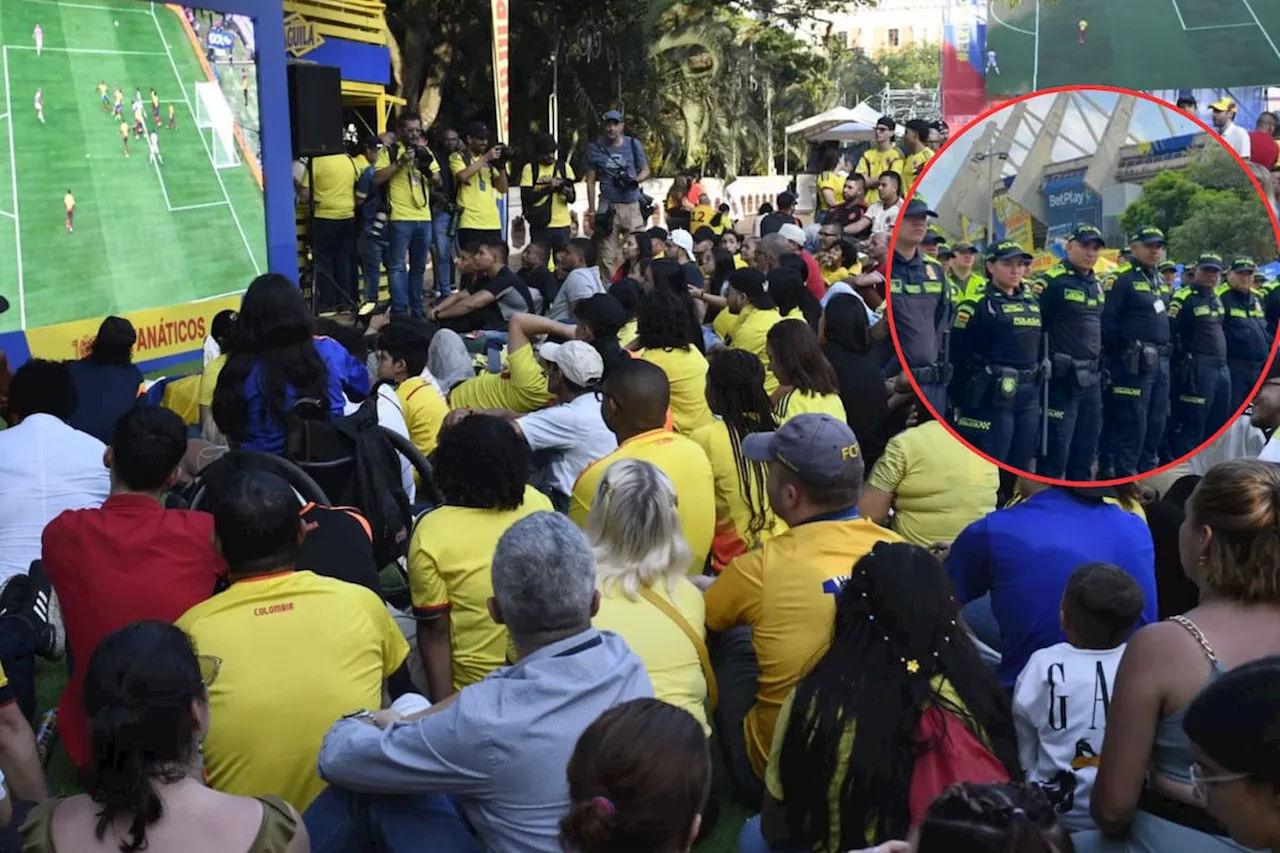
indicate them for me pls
(432, 92)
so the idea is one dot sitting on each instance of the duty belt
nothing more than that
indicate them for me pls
(933, 374)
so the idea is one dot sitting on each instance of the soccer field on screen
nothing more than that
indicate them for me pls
(146, 236)
(1137, 44)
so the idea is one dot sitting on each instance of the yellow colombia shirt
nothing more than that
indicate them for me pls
(701, 216)
(449, 572)
(797, 402)
(424, 412)
(833, 181)
(875, 163)
(476, 196)
(786, 592)
(662, 645)
(751, 333)
(409, 190)
(335, 192)
(733, 511)
(686, 371)
(690, 472)
(521, 388)
(559, 207)
(209, 379)
(913, 165)
(295, 652)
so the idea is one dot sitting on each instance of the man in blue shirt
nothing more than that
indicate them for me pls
(1023, 555)
(616, 166)
(373, 238)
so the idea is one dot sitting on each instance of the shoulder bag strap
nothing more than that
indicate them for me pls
(704, 657)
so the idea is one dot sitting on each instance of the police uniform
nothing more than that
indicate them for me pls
(1244, 324)
(922, 316)
(1271, 305)
(969, 288)
(1201, 382)
(996, 353)
(1135, 338)
(1071, 307)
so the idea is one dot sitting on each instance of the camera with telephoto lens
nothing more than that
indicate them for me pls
(504, 153)
(423, 159)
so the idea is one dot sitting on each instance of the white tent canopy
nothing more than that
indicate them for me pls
(841, 124)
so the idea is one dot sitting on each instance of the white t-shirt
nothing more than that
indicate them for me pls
(575, 435)
(154, 141)
(1271, 450)
(1060, 704)
(46, 467)
(883, 218)
(1238, 138)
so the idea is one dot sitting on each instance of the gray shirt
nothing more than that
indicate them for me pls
(610, 160)
(578, 285)
(502, 747)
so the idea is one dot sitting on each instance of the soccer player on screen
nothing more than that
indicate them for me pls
(69, 202)
(173, 118)
(38, 34)
(1084, 25)
(40, 105)
(124, 137)
(155, 107)
(139, 126)
(102, 92)
(118, 110)
(153, 145)
(992, 64)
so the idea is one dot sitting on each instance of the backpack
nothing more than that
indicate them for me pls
(538, 214)
(368, 476)
(951, 754)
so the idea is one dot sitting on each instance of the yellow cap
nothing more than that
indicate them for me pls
(1224, 105)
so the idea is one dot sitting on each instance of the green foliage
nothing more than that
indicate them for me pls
(1165, 202)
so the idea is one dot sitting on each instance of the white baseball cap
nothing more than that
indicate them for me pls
(794, 233)
(577, 360)
(683, 239)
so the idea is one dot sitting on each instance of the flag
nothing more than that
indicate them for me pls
(502, 67)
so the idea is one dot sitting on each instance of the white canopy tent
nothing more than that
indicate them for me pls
(841, 124)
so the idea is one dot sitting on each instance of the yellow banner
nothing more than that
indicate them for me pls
(1016, 222)
(161, 331)
(502, 66)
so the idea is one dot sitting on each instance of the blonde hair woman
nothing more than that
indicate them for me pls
(642, 560)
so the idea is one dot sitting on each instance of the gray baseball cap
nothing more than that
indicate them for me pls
(820, 450)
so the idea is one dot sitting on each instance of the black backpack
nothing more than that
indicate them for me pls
(356, 465)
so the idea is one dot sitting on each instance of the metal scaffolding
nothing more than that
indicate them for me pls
(906, 104)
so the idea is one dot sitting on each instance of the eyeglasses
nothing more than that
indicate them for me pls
(1200, 784)
(209, 668)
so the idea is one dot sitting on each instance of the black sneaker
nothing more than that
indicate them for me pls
(40, 608)
(13, 592)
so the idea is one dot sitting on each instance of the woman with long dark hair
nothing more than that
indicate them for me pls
(636, 247)
(735, 393)
(665, 337)
(275, 360)
(794, 301)
(679, 209)
(840, 773)
(146, 696)
(807, 381)
(848, 346)
(629, 295)
(107, 381)
(1000, 818)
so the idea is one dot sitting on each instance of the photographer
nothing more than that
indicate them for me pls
(617, 162)
(443, 212)
(480, 179)
(408, 170)
(333, 230)
(546, 191)
(373, 213)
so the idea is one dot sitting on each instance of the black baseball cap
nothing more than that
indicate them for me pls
(886, 122)
(1149, 236)
(934, 235)
(1258, 278)
(819, 449)
(703, 234)
(477, 130)
(1168, 266)
(1243, 264)
(944, 251)
(1008, 249)
(786, 198)
(963, 246)
(602, 313)
(657, 233)
(1211, 261)
(919, 206)
(1087, 234)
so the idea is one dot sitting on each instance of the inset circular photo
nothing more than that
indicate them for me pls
(1083, 286)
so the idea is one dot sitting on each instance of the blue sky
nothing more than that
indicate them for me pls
(1148, 125)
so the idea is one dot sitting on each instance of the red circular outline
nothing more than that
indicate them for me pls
(893, 332)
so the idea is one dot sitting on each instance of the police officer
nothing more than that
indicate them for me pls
(1168, 275)
(1201, 382)
(1245, 325)
(921, 309)
(934, 240)
(1135, 337)
(1071, 307)
(961, 275)
(1270, 293)
(996, 353)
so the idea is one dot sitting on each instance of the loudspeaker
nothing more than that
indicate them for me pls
(315, 109)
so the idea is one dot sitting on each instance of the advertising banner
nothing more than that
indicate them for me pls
(964, 85)
(1013, 223)
(1069, 203)
(502, 67)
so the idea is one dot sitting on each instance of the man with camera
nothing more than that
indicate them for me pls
(373, 216)
(617, 163)
(480, 179)
(546, 191)
(443, 212)
(408, 170)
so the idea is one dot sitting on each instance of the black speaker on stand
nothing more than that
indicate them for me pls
(315, 130)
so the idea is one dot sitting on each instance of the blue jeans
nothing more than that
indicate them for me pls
(340, 821)
(411, 238)
(440, 223)
(372, 256)
(751, 840)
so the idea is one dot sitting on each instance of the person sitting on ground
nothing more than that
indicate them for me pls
(535, 272)
(627, 292)
(1011, 817)
(752, 313)
(664, 339)
(928, 486)
(493, 295)
(107, 381)
(493, 751)
(1060, 730)
(806, 380)
(23, 784)
(482, 473)
(679, 248)
(296, 650)
(276, 360)
(813, 280)
(636, 247)
(220, 331)
(774, 606)
(898, 672)
(131, 559)
(735, 393)
(847, 342)
(645, 597)
(636, 400)
(625, 795)
(146, 695)
(521, 388)
(578, 261)
(402, 357)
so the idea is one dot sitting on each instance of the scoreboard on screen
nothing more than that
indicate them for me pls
(220, 40)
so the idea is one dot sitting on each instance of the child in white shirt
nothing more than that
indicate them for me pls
(1061, 697)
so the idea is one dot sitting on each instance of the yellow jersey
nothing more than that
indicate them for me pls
(295, 652)
(155, 100)
(701, 216)
(733, 536)
(785, 591)
(686, 371)
(102, 89)
(450, 557)
(409, 190)
(170, 110)
(875, 163)
(684, 462)
(209, 379)
(124, 131)
(477, 196)
(559, 207)
(424, 412)
(797, 402)
(119, 97)
(913, 165)
(69, 202)
(137, 113)
(335, 189)
(751, 333)
(833, 181)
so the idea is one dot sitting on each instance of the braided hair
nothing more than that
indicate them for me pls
(1007, 817)
(735, 392)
